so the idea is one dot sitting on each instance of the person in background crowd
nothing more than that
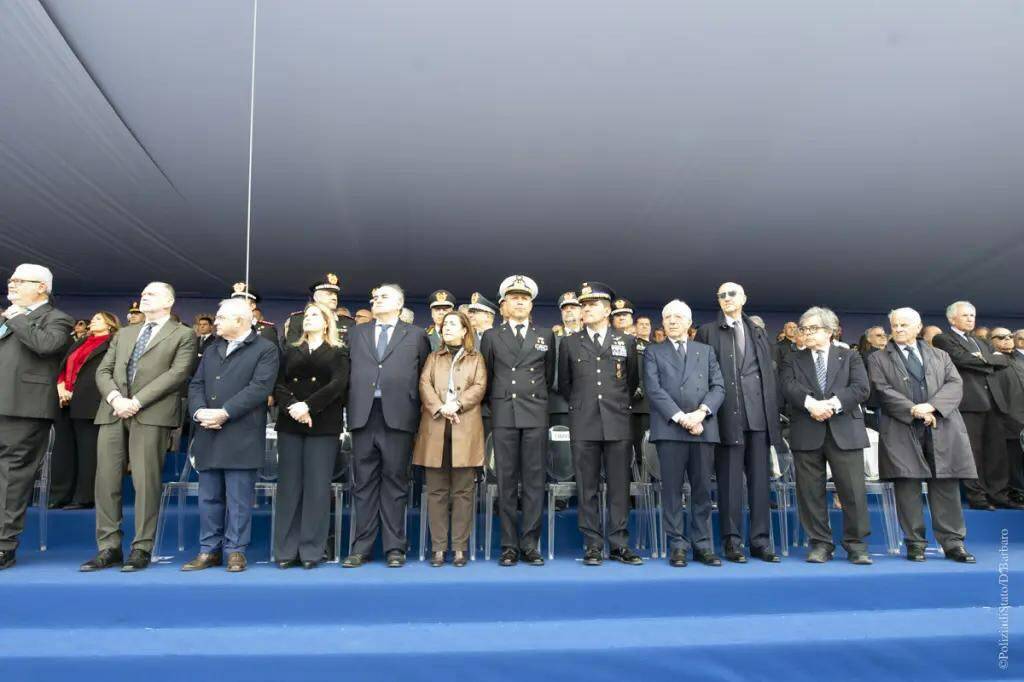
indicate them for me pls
(747, 425)
(1008, 395)
(685, 388)
(227, 399)
(140, 380)
(135, 316)
(929, 333)
(981, 333)
(73, 462)
(824, 387)
(481, 315)
(450, 442)
(976, 363)
(407, 316)
(312, 385)
(202, 325)
(441, 302)
(386, 359)
(265, 329)
(923, 436)
(622, 315)
(520, 362)
(33, 338)
(659, 335)
(875, 339)
(758, 322)
(324, 291)
(643, 328)
(80, 331)
(363, 316)
(558, 406)
(598, 374)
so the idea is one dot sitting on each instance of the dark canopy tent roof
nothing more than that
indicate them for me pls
(859, 155)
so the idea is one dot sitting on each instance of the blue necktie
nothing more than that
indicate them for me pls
(139, 349)
(819, 368)
(914, 363)
(382, 341)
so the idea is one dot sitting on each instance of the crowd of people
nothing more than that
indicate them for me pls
(948, 405)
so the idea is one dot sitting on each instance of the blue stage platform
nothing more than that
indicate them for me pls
(937, 620)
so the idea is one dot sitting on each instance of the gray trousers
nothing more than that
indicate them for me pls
(22, 446)
(303, 505)
(679, 459)
(848, 476)
(226, 497)
(143, 447)
(944, 503)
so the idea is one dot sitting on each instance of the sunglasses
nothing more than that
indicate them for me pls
(732, 293)
(1001, 337)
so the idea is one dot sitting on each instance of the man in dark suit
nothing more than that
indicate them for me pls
(824, 387)
(558, 407)
(748, 424)
(227, 399)
(383, 414)
(598, 374)
(33, 338)
(520, 361)
(685, 389)
(203, 328)
(140, 381)
(977, 363)
(1008, 394)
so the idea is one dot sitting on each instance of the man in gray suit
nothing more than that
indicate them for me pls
(384, 414)
(33, 338)
(140, 380)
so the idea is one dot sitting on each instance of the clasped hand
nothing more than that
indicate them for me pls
(125, 408)
(693, 422)
(925, 412)
(211, 418)
(300, 413)
(450, 411)
(820, 410)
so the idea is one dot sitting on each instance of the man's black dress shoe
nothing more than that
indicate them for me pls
(1006, 503)
(981, 505)
(137, 560)
(735, 555)
(677, 558)
(960, 554)
(310, 564)
(107, 558)
(765, 554)
(707, 558)
(915, 553)
(1016, 495)
(625, 555)
(592, 556)
(859, 558)
(355, 560)
(533, 558)
(509, 557)
(396, 558)
(7, 558)
(288, 563)
(819, 554)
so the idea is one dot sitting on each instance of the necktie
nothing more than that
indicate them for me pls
(139, 349)
(382, 340)
(819, 368)
(597, 340)
(914, 362)
(521, 334)
(741, 342)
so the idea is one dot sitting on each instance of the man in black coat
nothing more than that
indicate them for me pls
(1008, 394)
(977, 363)
(227, 401)
(824, 387)
(520, 361)
(33, 338)
(748, 425)
(598, 374)
(383, 414)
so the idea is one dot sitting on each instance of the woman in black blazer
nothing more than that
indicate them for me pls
(73, 462)
(312, 386)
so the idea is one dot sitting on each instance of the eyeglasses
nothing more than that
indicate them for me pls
(14, 281)
(813, 330)
(1000, 337)
(732, 293)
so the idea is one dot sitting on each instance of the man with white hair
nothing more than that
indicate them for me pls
(140, 379)
(824, 387)
(33, 338)
(748, 425)
(977, 363)
(227, 401)
(923, 436)
(384, 415)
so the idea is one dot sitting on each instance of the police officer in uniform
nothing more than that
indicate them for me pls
(135, 316)
(598, 374)
(265, 329)
(325, 292)
(441, 303)
(520, 359)
(481, 316)
(569, 307)
(622, 314)
(622, 318)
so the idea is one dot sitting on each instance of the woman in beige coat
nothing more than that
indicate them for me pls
(450, 442)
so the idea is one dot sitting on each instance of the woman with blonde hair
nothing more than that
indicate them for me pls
(450, 442)
(312, 386)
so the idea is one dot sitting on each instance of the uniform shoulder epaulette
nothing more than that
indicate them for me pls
(267, 322)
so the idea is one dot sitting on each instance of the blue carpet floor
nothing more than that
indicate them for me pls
(792, 621)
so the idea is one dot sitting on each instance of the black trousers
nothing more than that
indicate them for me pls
(22, 446)
(640, 424)
(1015, 460)
(380, 486)
(589, 456)
(848, 476)
(680, 459)
(73, 462)
(988, 443)
(733, 464)
(519, 459)
(303, 504)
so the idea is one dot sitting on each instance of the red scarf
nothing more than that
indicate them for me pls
(77, 358)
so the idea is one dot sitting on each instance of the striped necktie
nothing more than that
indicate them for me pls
(819, 368)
